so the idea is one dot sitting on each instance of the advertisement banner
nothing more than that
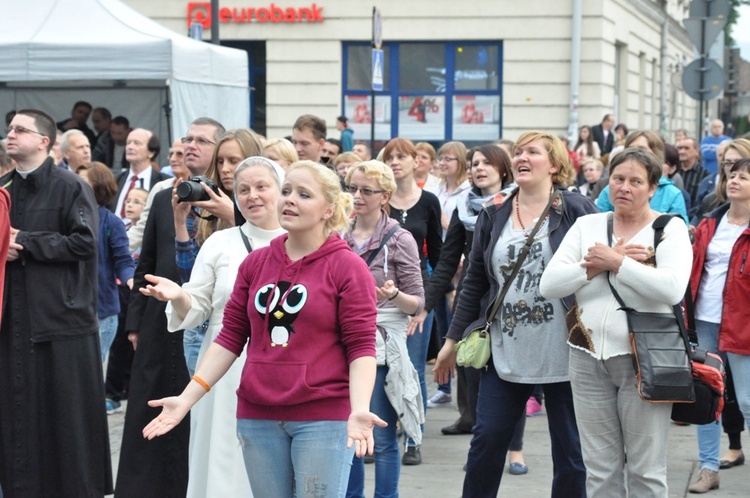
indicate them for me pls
(476, 117)
(357, 109)
(421, 117)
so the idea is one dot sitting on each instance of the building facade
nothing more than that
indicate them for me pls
(473, 70)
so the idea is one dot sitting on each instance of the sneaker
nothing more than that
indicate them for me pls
(412, 456)
(113, 406)
(439, 399)
(707, 480)
(533, 407)
(518, 469)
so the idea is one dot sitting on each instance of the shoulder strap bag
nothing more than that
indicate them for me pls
(474, 349)
(661, 350)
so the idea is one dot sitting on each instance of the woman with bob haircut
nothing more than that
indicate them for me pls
(528, 336)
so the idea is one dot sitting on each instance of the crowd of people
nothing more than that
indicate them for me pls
(266, 306)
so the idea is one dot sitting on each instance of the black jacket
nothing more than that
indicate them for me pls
(598, 133)
(56, 214)
(156, 177)
(480, 286)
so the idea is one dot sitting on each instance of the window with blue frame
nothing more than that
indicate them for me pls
(432, 91)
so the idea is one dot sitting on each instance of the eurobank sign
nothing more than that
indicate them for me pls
(200, 12)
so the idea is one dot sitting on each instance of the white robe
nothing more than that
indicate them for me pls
(217, 468)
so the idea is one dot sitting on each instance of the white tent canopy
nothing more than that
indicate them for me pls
(56, 52)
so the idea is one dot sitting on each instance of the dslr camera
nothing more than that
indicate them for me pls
(192, 191)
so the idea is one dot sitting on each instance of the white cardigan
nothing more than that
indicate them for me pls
(603, 330)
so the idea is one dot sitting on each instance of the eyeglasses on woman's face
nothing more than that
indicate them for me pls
(366, 191)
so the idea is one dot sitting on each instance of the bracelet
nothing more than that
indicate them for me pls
(202, 382)
(394, 296)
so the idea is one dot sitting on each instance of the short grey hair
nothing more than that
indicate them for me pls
(65, 139)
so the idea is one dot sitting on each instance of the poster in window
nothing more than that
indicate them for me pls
(476, 117)
(421, 117)
(357, 109)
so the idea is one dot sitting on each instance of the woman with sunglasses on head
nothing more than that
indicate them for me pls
(307, 322)
(216, 464)
(418, 211)
(393, 259)
(528, 335)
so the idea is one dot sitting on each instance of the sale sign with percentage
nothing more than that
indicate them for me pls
(421, 117)
(476, 117)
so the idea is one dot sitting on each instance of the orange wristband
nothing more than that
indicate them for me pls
(202, 382)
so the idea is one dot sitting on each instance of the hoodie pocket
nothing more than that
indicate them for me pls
(273, 383)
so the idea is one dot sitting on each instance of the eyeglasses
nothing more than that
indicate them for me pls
(21, 130)
(200, 142)
(366, 191)
(727, 164)
(446, 159)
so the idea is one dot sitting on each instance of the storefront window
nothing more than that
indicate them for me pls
(359, 67)
(438, 91)
(421, 67)
(476, 67)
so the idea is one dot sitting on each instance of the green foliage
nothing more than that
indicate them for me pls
(732, 20)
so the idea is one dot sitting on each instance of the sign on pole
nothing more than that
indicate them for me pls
(377, 30)
(377, 70)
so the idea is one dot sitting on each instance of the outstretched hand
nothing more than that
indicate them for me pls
(161, 288)
(359, 431)
(173, 411)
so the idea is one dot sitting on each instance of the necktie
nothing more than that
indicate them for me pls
(133, 179)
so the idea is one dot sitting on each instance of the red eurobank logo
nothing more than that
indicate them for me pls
(200, 12)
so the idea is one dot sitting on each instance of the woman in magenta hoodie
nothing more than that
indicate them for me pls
(308, 322)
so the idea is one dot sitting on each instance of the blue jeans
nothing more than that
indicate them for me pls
(387, 453)
(418, 345)
(286, 459)
(501, 404)
(709, 435)
(192, 340)
(107, 331)
(740, 365)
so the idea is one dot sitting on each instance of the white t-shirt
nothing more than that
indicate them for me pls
(709, 304)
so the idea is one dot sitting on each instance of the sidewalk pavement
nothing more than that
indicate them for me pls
(441, 473)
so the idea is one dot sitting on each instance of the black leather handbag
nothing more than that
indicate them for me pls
(661, 350)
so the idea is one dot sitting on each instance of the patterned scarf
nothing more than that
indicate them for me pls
(470, 208)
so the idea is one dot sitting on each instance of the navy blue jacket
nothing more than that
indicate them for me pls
(480, 286)
(115, 261)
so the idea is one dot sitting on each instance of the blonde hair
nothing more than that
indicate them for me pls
(742, 147)
(458, 149)
(250, 145)
(375, 170)
(428, 148)
(347, 157)
(283, 147)
(558, 155)
(330, 186)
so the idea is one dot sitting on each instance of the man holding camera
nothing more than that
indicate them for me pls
(159, 369)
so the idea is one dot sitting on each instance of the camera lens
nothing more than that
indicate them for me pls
(191, 191)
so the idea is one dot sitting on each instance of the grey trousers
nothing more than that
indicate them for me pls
(613, 421)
